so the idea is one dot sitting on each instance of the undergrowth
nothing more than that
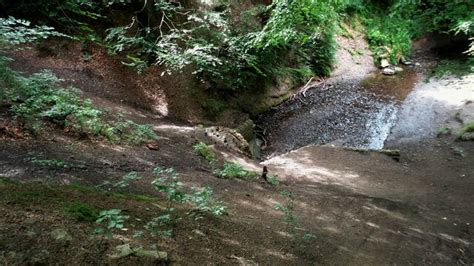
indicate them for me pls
(205, 151)
(458, 68)
(81, 211)
(39, 98)
(231, 169)
(468, 128)
(391, 26)
(87, 205)
(298, 235)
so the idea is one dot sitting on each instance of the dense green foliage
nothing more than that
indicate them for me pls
(392, 25)
(110, 220)
(167, 181)
(297, 40)
(231, 48)
(81, 212)
(226, 49)
(467, 132)
(231, 169)
(205, 151)
(72, 16)
(39, 97)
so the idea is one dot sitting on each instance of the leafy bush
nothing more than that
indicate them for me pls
(203, 199)
(391, 26)
(81, 212)
(110, 220)
(38, 98)
(167, 181)
(156, 226)
(72, 16)
(205, 151)
(14, 32)
(232, 169)
(389, 37)
(468, 128)
(273, 180)
(233, 54)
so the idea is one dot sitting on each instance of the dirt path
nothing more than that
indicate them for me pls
(373, 210)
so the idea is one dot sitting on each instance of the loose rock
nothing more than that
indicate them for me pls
(388, 71)
(61, 235)
(398, 69)
(122, 251)
(384, 63)
(152, 254)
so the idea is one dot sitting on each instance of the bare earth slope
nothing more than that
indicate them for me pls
(362, 208)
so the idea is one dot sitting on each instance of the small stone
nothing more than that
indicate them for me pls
(407, 62)
(153, 146)
(198, 232)
(398, 69)
(384, 63)
(388, 71)
(153, 254)
(61, 235)
(122, 251)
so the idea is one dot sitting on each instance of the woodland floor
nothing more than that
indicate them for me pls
(362, 208)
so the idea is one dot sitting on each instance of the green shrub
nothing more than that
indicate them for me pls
(159, 226)
(167, 181)
(110, 220)
(38, 98)
(205, 151)
(72, 16)
(233, 54)
(444, 131)
(14, 32)
(204, 201)
(81, 212)
(273, 179)
(391, 26)
(232, 169)
(468, 128)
